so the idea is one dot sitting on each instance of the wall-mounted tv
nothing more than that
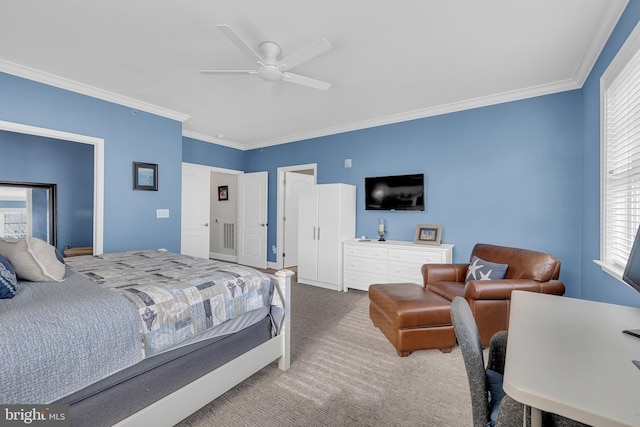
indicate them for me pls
(394, 193)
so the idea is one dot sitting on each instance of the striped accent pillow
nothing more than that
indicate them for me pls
(8, 280)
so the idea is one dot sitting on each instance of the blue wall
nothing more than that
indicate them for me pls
(205, 153)
(596, 284)
(129, 216)
(29, 158)
(508, 174)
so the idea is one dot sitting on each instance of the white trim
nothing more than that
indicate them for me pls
(215, 168)
(601, 37)
(626, 53)
(84, 89)
(453, 107)
(280, 206)
(98, 170)
(229, 258)
(213, 140)
(613, 270)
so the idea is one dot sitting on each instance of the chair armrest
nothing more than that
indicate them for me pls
(432, 273)
(498, 289)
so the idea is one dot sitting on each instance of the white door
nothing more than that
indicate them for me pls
(308, 235)
(252, 219)
(294, 184)
(196, 184)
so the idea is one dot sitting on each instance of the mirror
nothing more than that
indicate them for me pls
(28, 209)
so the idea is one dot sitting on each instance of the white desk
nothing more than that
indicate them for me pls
(570, 357)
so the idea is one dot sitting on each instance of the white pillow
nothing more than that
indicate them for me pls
(33, 259)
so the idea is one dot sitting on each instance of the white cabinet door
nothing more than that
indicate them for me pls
(307, 235)
(326, 218)
(329, 254)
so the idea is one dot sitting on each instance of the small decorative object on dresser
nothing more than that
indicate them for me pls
(145, 176)
(381, 230)
(428, 234)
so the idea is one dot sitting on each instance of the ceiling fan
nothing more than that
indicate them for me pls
(269, 67)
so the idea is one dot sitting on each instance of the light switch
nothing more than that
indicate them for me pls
(162, 213)
(347, 163)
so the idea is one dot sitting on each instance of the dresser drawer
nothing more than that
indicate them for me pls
(366, 265)
(360, 280)
(405, 272)
(422, 257)
(365, 251)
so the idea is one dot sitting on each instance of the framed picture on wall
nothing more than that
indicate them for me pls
(145, 176)
(428, 234)
(223, 192)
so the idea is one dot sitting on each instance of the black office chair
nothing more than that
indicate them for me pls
(489, 404)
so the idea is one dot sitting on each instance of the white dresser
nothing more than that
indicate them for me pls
(393, 261)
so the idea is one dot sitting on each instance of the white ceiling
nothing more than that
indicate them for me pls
(390, 60)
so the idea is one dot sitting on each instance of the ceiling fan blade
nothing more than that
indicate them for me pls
(305, 81)
(304, 54)
(239, 42)
(227, 71)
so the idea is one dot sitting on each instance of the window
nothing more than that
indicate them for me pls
(620, 170)
(14, 224)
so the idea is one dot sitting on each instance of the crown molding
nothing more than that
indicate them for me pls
(600, 40)
(213, 140)
(81, 88)
(500, 98)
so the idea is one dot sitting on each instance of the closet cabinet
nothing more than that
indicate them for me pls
(326, 217)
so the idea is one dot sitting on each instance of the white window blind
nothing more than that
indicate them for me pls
(621, 161)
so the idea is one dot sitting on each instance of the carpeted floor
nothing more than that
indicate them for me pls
(344, 373)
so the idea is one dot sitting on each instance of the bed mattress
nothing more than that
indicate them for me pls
(113, 311)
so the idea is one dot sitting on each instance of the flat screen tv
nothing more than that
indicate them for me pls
(394, 193)
(631, 274)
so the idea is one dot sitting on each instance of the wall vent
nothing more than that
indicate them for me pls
(229, 236)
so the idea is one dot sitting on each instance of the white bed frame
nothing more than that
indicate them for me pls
(175, 407)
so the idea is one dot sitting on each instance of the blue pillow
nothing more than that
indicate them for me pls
(8, 280)
(480, 269)
(496, 393)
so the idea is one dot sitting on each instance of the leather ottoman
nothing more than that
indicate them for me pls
(411, 317)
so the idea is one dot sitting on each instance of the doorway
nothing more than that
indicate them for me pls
(98, 170)
(209, 212)
(223, 216)
(291, 180)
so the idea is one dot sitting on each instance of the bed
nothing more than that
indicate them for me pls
(139, 337)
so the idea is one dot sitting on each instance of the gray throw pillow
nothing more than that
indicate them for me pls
(33, 259)
(480, 269)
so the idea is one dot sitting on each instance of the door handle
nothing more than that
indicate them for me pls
(263, 225)
(314, 233)
(318, 233)
(206, 224)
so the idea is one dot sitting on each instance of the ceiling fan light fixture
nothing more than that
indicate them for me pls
(270, 73)
(270, 69)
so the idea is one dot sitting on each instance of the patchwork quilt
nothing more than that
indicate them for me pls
(178, 296)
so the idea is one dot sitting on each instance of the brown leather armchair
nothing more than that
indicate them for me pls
(490, 299)
(415, 317)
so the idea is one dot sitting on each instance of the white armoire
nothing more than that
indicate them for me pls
(327, 216)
